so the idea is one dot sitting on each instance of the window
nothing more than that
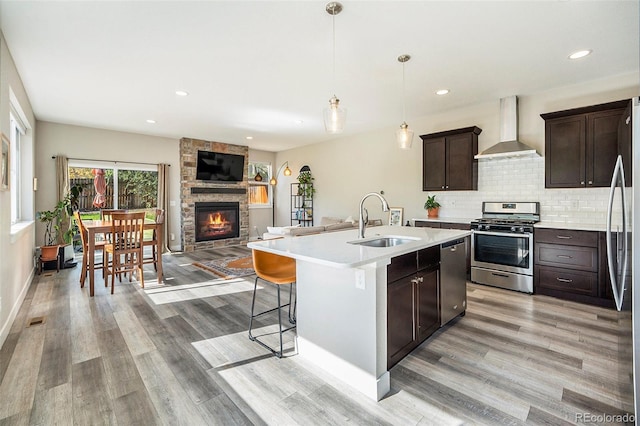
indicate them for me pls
(17, 130)
(259, 191)
(127, 186)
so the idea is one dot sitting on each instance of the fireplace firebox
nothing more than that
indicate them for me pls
(217, 221)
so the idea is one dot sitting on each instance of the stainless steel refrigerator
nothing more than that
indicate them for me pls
(623, 240)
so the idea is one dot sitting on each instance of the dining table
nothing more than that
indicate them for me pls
(102, 227)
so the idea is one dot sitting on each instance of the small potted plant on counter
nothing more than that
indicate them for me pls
(432, 206)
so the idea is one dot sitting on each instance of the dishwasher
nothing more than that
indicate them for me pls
(453, 279)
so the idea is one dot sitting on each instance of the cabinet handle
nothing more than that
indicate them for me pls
(500, 275)
(582, 183)
(590, 182)
(564, 237)
(417, 280)
(442, 186)
(565, 256)
(447, 186)
(564, 280)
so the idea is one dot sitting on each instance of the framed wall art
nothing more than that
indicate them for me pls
(4, 165)
(395, 216)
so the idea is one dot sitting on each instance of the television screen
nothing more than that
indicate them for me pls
(216, 166)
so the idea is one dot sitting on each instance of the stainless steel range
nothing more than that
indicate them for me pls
(502, 245)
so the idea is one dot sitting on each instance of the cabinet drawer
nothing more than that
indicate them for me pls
(426, 224)
(429, 258)
(450, 225)
(566, 237)
(571, 281)
(402, 266)
(573, 257)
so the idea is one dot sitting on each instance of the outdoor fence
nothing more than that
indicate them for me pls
(125, 201)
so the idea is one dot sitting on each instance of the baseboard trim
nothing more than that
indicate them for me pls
(6, 327)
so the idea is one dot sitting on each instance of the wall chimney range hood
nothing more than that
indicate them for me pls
(509, 145)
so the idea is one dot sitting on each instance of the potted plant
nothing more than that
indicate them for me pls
(306, 184)
(432, 206)
(58, 229)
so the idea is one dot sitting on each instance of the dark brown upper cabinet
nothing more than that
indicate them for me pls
(448, 162)
(582, 144)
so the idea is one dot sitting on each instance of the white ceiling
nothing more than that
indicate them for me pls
(258, 68)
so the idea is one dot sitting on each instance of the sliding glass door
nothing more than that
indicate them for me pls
(108, 185)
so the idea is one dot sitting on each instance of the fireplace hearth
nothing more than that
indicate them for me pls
(217, 221)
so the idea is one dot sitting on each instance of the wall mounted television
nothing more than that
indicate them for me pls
(219, 167)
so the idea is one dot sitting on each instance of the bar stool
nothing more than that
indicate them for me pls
(278, 271)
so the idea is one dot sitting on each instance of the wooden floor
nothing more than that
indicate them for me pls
(179, 354)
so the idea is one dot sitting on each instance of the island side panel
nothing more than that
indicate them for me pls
(342, 327)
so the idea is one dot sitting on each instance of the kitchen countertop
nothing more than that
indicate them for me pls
(464, 220)
(333, 248)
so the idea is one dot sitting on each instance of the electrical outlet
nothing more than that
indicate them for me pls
(360, 281)
(172, 236)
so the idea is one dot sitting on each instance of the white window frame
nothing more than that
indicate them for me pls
(16, 177)
(264, 182)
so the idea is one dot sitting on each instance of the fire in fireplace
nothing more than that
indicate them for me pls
(217, 221)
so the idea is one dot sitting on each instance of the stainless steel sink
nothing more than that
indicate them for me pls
(383, 241)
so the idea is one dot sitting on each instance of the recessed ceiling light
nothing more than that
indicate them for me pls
(181, 93)
(580, 54)
(249, 137)
(442, 92)
(299, 121)
(150, 121)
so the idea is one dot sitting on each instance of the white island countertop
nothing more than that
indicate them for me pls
(333, 248)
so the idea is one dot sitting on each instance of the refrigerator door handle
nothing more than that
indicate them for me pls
(617, 281)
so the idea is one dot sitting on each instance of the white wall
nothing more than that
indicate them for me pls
(16, 248)
(345, 169)
(98, 144)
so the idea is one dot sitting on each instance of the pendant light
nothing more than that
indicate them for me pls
(404, 136)
(334, 115)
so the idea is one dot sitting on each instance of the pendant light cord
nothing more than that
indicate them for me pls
(333, 23)
(404, 109)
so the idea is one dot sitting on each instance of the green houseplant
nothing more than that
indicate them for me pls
(58, 229)
(306, 184)
(432, 206)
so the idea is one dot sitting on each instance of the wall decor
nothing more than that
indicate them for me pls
(4, 165)
(395, 216)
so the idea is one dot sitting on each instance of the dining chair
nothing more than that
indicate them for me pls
(153, 241)
(105, 214)
(98, 246)
(278, 271)
(125, 248)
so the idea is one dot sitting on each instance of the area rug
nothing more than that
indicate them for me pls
(228, 267)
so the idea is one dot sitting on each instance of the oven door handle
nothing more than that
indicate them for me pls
(504, 234)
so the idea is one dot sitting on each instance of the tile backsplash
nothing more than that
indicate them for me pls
(522, 179)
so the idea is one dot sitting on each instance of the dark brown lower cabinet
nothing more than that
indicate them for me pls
(412, 301)
(572, 265)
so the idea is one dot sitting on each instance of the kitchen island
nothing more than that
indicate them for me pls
(341, 295)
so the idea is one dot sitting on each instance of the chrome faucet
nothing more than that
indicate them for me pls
(361, 223)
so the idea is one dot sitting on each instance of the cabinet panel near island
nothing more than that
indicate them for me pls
(412, 301)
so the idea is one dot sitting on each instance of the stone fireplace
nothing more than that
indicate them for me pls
(229, 223)
(217, 221)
